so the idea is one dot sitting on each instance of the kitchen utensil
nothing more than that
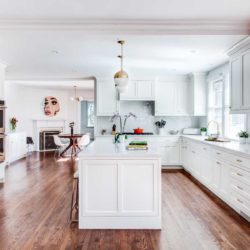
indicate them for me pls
(138, 131)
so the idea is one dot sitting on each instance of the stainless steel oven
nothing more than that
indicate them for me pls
(2, 147)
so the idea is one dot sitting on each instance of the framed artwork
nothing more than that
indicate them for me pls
(51, 106)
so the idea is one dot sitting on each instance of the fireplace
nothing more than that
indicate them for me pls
(46, 140)
(2, 153)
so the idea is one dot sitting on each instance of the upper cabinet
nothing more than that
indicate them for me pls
(139, 90)
(106, 98)
(181, 97)
(240, 76)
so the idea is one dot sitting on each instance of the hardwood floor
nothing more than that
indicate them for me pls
(35, 205)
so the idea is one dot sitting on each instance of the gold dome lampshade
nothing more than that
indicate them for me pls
(121, 77)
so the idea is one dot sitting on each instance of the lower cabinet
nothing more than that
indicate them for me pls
(225, 174)
(17, 147)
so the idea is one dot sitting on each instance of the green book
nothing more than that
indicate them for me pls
(140, 143)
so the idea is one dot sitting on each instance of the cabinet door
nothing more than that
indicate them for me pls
(183, 105)
(131, 92)
(224, 180)
(206, 170)
(165, 103)
(236, 83)
(145, 90)
(106, 98)
(216, 175)
(170, 155)
(246, 80)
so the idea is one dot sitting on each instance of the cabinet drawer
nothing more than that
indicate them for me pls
(240, 188)
(240, 175)
(240, 202)
(240, 161)
(220, 155)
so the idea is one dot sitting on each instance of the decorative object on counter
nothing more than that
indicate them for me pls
(138, 131)
(103, 132)
(121, 77)
(160, 125)
(51, 106)
(71, 125)
(203, 131)
(243, 135)
(13, 122)
(122, 125)
(113, 129)
(138, 145)
(173, 132)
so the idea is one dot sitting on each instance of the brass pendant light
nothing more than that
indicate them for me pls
(121, 77)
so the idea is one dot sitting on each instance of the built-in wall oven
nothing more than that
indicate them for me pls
(2, 130)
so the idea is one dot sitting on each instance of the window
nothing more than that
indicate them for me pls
(219, 109)
(90, 114)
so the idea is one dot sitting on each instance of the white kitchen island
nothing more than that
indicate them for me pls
(119, 189)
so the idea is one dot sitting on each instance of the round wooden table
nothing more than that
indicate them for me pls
(73, 144)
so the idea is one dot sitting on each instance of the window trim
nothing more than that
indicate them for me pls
(87, 113)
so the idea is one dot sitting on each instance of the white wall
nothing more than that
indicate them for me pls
(2, 77)
(26, 104)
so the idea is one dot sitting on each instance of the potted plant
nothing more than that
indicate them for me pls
(13, 122)
(203, 131)
(243, 135)
(160, 125)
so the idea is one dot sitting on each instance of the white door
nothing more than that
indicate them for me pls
(236, 83)
(246, 80)
(106, 98)
(165, 103)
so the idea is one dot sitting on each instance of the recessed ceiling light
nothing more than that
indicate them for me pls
(54, 51)
(193, 51)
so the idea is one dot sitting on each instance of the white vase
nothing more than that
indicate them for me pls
(243, 140)
(161, 131)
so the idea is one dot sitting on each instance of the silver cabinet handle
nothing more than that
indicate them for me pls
(238, 160)
(241, 188)
(204, 149)
(218, 163)
(193, 152)
(239, 200)
(218, 153)
(239, 174)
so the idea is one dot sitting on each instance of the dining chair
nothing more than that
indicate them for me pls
(83, 141)
(59, 144)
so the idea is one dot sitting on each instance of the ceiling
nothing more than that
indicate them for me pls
(55, 39)
(130, 9)
(72, 54)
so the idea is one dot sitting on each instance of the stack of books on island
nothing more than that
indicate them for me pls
(138, 145)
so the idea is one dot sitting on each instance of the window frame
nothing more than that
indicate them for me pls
(87, 113)
(223, 79)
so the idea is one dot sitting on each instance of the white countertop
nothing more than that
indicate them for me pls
(107, 149)
(234, 146)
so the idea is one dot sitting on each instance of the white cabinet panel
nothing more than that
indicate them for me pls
(106, 98)
(165, 103)
(132, 189)
(236, 84)
(102, 183)
(139, 90)
(246, 80)
(184, 102)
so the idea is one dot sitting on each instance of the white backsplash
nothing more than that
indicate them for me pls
(145, 119)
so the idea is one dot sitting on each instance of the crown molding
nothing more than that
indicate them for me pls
(129, 26)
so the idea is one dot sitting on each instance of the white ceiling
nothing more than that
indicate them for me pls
(67, 54)
(129, 9)
(45, 39)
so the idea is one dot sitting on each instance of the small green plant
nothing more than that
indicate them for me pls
(243, 134)
(203, 129)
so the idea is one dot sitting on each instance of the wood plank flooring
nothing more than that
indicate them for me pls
(35, 205)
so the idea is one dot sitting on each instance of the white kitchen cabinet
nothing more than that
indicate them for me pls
(106, 98)
(170, 155)
(240, 76)
(17, 146)
(139, 90)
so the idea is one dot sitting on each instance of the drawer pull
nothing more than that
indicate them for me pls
(204, 149)
(239, 200)
(239, 160)
(218, 153)
(239, 174)
(193, 152)
(241, 188)
(218, 163)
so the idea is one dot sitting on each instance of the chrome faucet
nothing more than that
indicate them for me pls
(213, 135)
